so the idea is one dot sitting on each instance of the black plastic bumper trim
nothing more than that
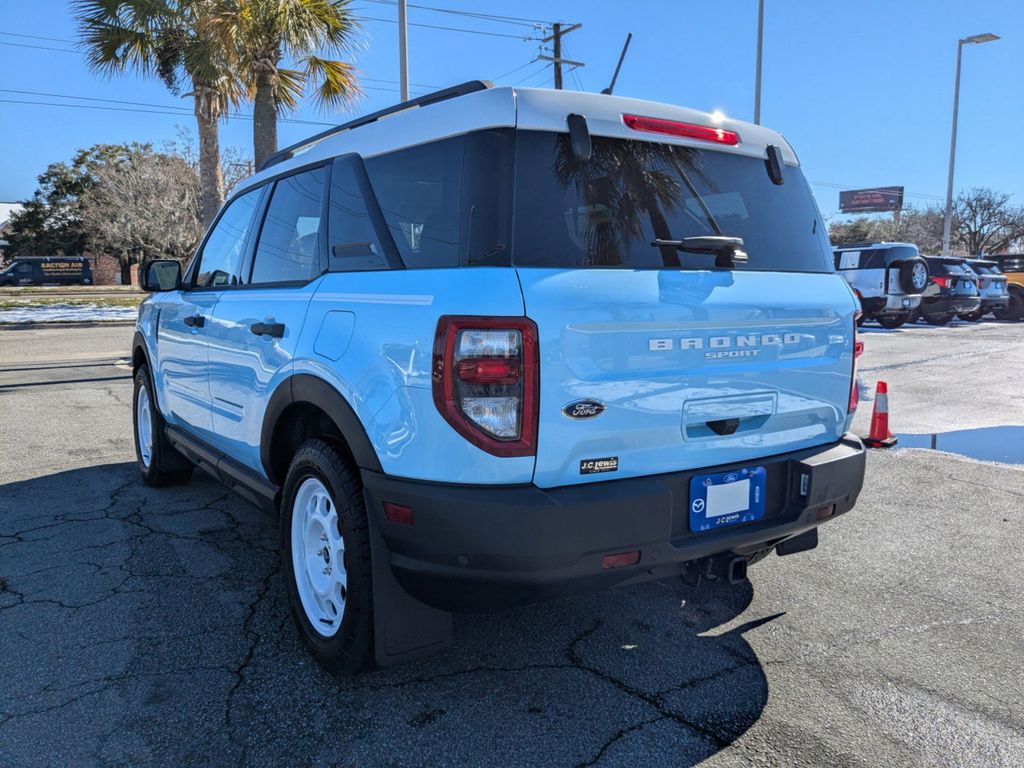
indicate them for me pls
(478, 547)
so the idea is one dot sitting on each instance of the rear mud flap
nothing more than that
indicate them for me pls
(404, 628)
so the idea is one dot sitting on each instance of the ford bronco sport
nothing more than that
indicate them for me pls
(505, 345)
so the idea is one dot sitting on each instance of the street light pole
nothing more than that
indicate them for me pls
(947, 223)
(403, 52)
(757, 75)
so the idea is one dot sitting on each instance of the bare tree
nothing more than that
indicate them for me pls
(144, 206)
(985, 222)
(235, 165)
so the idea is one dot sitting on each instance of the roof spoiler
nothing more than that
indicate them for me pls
(420, 101)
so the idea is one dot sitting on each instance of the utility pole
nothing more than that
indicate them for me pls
(403, 51)
(555, 38)
(757, 74)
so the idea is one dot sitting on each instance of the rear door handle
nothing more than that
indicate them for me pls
(268, 329)
(195, 321)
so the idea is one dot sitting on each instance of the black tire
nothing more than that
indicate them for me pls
(350, 650)
(938, 319)
(972, 317)
(893, 321)
(1015, 309)
(165, 466)
(914, 276)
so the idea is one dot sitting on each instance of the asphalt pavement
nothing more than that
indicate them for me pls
(144, 627)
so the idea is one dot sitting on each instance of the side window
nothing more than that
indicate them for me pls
(351, 237)
(419, 191)
(221, 258)
(289, 244)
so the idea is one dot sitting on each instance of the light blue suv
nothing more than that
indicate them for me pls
(497, 345)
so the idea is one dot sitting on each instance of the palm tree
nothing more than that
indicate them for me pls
(264, 32)
(630, 179)
(175, 40)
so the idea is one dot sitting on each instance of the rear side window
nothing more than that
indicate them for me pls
(419, 191)
(221, 257)
(289, 244)
(605, 212)
(351, 237)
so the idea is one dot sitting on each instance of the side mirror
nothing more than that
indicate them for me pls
(162, 275)
(775, 165)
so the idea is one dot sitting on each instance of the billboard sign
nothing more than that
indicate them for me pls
(878, 199)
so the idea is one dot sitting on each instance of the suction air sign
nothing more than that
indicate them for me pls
(878, 199)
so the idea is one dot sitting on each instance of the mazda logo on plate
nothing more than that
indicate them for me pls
(583, 409)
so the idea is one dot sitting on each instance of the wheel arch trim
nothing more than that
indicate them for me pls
(306, 388)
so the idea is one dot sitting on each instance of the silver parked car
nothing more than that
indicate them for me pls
(888, 278)
(992, 288)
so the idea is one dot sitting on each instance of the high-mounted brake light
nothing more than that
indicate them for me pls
(485, 381)
(687, 130)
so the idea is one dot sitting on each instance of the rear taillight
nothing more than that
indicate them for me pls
(485, 380)
(941, 281)
(675, 128)
(858, 350)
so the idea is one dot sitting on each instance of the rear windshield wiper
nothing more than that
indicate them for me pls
(728, 251)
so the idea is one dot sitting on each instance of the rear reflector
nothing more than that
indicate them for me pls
(621, 559)
(858, 350)
(397, 513)
(687, 130)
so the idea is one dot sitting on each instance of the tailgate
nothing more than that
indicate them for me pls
(694, 368)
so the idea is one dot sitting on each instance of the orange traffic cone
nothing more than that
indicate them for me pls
(880, 436)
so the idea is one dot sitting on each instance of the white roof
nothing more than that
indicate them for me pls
(529, 109)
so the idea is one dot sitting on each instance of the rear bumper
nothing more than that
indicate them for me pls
(890, 305)
(948, 305)
(475, 547)
(995, 302)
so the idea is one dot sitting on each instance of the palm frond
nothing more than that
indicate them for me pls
(334, 82)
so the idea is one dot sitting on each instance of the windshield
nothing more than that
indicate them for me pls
(607, 211)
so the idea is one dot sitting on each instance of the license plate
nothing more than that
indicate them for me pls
(726, 498)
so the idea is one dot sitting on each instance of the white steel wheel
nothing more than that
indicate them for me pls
(144, 426)
(318, 557)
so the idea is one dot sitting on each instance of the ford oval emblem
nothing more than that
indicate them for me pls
(583, 409)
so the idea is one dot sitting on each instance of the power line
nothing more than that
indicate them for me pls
(513, 71)
(451, 29)
(39, 47)
(38, 37)
(532, 74)
(164, 111)
(471, 14)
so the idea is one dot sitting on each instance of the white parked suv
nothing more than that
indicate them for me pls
(888, 278)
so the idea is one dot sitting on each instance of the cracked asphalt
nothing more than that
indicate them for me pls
(143, 627)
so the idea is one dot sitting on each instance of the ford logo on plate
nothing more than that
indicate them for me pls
(583, 409)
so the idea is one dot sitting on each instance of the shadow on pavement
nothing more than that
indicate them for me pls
(150, 627)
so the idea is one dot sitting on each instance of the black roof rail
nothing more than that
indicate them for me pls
(454, 91)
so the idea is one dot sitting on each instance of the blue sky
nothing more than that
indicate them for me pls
(863, 90)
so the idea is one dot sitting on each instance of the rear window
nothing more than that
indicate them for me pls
(948, 267)
(606, 212)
